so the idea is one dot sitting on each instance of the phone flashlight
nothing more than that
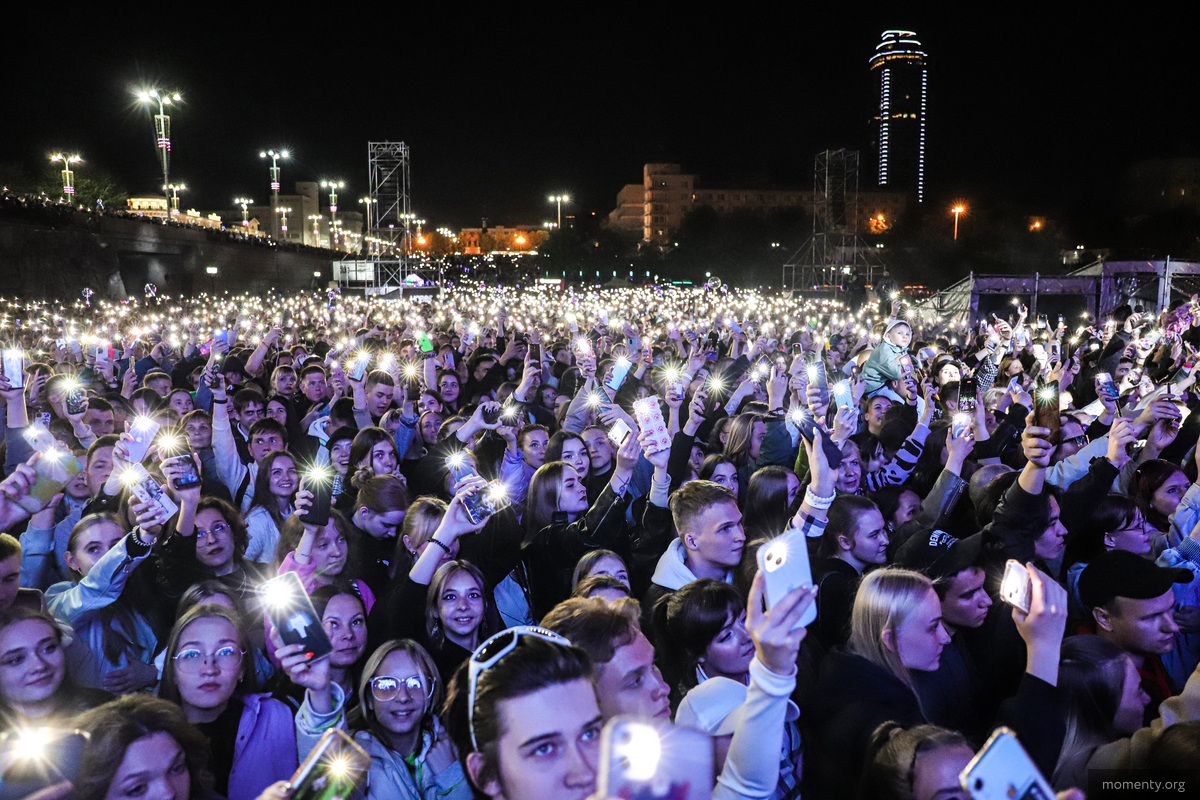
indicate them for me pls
(641, 749)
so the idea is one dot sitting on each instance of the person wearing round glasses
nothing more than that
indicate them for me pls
(254, 738)
(523, 713)
(411, 754)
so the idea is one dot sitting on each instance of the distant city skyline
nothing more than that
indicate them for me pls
(1042, 110)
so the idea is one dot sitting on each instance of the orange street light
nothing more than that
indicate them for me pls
(958, 209)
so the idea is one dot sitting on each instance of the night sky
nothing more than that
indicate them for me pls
(503, 105)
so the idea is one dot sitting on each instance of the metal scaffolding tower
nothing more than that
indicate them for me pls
(835, 251)
(390, 213)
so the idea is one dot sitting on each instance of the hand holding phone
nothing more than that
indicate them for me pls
(784, 564)
(291, 611)
(1002, 770)
(642, 759)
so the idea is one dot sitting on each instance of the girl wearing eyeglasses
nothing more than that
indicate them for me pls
(255, 740)
(211, 545)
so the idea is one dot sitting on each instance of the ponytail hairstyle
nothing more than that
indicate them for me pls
(421, 521)
(892, 755)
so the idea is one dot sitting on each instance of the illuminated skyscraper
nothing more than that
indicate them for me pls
(902, 81)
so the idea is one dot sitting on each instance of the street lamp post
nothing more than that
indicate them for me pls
(68, 175)
(316, 221)
(162, 126)
(558, 200)
(275, 156)
(333, 186)
(175, 189)
(958, 209)
(283, 212)
(245, 203)
(368, 202)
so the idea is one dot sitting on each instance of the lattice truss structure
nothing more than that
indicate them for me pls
(835, 251)
(389, 188)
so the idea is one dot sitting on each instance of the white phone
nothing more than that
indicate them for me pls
(784, 564)
(640, 759)
(1002, 770)
(619, 432)
(1016, 588)
(143, 430)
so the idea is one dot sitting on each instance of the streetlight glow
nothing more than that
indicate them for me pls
(959, 208)
(162, 125)
(558, 200)
(68, 175)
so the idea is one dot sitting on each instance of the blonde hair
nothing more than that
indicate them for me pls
(885, 599)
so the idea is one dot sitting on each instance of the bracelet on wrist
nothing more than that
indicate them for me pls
(816, 501)
(442, 545)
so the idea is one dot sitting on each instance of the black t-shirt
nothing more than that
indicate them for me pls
(222, 739)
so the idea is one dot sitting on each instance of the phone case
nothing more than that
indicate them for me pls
(320, 483)
(13, 359)
(619, 432)
(146, 489)
(487, 501)
(1002, 770)
(619, 371)
(644, 761)
(143, 431)
(833, 453)
(842, 394)
(784, 564)
(291, 611)
(1015, 587)
(58, 761)
(960, 424)
(54, 469)
(191, 479)
(333, 770)
(1046, 412)
(650, 420)
(76, 401)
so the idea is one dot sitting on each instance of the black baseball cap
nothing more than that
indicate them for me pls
(1119, 573)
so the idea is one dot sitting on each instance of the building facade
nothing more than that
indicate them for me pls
(656, 208)
(901, 76)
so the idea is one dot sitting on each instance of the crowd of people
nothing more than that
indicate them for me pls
(546, 512)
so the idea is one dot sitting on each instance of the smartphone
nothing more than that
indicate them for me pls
(905, 362)
(76, 400)
(13, 362)
(334, 769)
(286, 318)
(646, 760)
(220, 340)
(1106, 387)
(458, 465)
(491, 414)
(291, 611)
(146, 489)
(843, 395)
(818, 378)
(425, 342)
(619, 432)
(967, 391)
(620, 369)
(55, 468)
(535, 353)
(1002, 770)
(960, 423)
(1046, 412)
(650, 420)
(143, 431)
(487, 501)
(784, 564)
(1016, 588)
(808, 426)
(1014, 385)
(190, 477)
(358, 368)
(38, 758)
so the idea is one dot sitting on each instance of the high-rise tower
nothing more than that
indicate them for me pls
(902, 84)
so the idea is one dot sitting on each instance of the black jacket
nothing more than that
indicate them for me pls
(550, 555)
(853, 697)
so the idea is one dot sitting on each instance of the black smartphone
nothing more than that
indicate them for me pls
(491, 415)
(1046, 413)
(291, 611)
(190, 477)
(319, 481)
(76, 400)
(535, 353)
(966, 393)
(808, 427)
